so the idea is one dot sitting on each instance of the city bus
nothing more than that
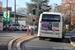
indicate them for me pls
(51, 25)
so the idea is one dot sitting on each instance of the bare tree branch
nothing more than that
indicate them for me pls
(22, 10)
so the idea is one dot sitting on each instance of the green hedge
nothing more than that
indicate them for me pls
(70, 31)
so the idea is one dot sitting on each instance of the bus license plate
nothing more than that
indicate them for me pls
(49, 33)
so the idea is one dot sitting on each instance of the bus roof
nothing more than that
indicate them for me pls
(51, 13)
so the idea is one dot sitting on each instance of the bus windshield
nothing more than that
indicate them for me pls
(50, 17)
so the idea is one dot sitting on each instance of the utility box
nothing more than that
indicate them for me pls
(1, 23)
(1, 26)
(32, 31)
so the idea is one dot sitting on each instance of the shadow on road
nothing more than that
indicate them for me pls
(13, 32)
(65, 40)
(6, 36)
(3, 47)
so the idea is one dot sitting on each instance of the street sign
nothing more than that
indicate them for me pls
(56, 4)
(6, 17)
(6, 14)
(37, 21)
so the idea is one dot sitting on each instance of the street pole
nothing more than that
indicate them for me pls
(7, 12)
(70, 18)
(37, 12)
(37, 7)
(54, 7)
(15, 10)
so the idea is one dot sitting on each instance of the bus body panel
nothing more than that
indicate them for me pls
(58, 33)
(51, 33)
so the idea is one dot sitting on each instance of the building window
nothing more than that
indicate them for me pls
(73, 0)
(64, 1)
(70, 1)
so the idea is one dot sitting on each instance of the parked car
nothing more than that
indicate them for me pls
(25, 28)
(15, 27)
(8, 27)
(21, 26)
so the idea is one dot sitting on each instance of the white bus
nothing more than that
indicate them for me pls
(51, 25)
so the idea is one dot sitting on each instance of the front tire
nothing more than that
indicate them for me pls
(6, 29)
(60, 39)
(63, 37)
(40, 38)
(3, 30)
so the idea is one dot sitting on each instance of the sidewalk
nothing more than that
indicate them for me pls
(16, 43)
(72, 41)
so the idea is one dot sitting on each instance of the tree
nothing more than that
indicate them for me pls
(33, 5)
(22, 10)
(65, 9)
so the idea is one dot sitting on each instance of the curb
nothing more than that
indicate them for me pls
(19, 43)
(10, 43)
(72, 42)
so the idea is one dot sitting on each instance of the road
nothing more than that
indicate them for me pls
(36, 44)
(7, 36)
(13, 32)
(16, 32)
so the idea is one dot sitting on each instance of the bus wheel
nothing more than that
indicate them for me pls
(63, 37)
(40, 38)
(43, 38)
(60, 39)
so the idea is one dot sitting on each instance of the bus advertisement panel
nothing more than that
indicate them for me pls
(46, 25)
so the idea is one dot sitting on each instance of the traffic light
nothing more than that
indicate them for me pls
(34, 12)
(33, 20)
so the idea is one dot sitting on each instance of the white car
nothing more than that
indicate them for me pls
(18, 27)
(25, 28)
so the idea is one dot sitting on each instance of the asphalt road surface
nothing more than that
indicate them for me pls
(48, 44)
(13, 32)
(7, 36)
(24, 32)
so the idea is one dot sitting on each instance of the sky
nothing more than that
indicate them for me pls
(22, 3)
